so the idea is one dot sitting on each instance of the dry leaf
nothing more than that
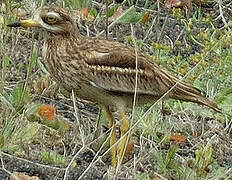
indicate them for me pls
(84, 14)
(22, 176)
(129, 149)
(42, 84)
(47, 112)
(181, 3)
(117, 14)
(178, 4)
(145, 18)
(177, 138)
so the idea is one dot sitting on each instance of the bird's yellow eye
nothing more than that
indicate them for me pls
(51, 19)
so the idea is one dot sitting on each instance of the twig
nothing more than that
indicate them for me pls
(107, 20)
(221, 13)
(149, 30)
(95, 157)
(162, 29)
(81, 134)
(4, 169)
(31, 162)
(116, 20)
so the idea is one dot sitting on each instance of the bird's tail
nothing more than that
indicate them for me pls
(186, 92)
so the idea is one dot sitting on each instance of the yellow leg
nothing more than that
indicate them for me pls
(112, 137)
(124, 127)
(98, 130)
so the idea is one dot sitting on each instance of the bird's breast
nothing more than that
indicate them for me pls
(65, 68)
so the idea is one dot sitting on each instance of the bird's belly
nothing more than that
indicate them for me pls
(99, 96)
(85, 91)
(119, 101)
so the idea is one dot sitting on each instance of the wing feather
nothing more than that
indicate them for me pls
(113, 68)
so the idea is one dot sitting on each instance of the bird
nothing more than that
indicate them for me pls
(105, 72)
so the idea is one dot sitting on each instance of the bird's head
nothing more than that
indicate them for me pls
(52, 19)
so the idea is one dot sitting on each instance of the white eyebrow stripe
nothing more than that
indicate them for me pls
(54, 14)
(38, 19)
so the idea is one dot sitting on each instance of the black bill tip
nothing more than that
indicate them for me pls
(15, 24)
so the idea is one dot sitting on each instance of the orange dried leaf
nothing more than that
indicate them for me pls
(145, 18)
(117, 13)
(129, 149)
(22, 176)
(177, 138)
(47, 112)
(85, 15)
(85, 12)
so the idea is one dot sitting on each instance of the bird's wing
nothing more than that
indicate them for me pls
(113, 67)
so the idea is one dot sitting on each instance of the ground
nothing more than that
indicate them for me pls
(178, 141)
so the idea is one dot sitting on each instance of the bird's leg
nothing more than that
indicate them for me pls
(98, 130)
(112, 137)
(124, 127)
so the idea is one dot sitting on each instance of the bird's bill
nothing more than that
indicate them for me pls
(24, 23)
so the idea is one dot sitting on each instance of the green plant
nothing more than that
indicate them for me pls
(55, 158)
(73, 4)
(204, 157)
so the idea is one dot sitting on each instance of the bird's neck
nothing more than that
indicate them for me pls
(58, 43)
(61, 37)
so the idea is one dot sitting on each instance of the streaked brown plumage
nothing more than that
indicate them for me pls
(103, 71)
